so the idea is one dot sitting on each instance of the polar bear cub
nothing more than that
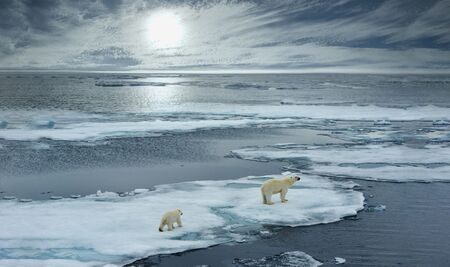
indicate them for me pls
(275, 186)
(169, 218)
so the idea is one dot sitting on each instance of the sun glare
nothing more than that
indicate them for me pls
(165, 29)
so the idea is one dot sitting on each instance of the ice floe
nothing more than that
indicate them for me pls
(382, 122)
(119, 83)
(350, 153)
(68, 125)
(382, 162)
(373, 208)
(49, 124)
(287, 259)
(99, 130)
(335, 112)
(441, 122)
(379, 123)
(339, 260)
(106, 228)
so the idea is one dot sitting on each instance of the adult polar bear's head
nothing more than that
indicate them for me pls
(293, 179)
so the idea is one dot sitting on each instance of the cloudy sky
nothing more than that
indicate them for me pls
(345, 35)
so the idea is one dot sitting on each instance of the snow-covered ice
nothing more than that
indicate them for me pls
(382, 162)
(99, 130)
(349, 153)
(106, 228)
(336, 112)
(73, 126)
(339, 260)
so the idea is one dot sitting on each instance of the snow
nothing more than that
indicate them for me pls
(106, 228)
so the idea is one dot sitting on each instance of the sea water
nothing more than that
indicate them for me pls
(387, 128)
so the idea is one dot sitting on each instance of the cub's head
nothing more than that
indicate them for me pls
(180, 212)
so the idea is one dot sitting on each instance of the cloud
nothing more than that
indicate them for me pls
(346, 34)
(112, 56)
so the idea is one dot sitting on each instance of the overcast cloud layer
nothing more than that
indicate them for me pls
(354, 36)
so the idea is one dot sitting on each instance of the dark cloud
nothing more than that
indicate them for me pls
(112, 56)
(388, 24)
(24, 21)
(112, 4)
(264, 32)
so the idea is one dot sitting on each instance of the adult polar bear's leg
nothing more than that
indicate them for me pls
(179, 222)
(267, 190)
(283, 195)
(268, 197)
(263, 194)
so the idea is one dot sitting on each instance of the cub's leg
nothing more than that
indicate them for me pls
(283, 195)
(179, 222)
(161, 226)
(170, 225)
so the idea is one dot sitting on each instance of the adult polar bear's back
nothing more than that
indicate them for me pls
(275, 186)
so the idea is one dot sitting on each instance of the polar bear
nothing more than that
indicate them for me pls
(275, 186)
(169, 218)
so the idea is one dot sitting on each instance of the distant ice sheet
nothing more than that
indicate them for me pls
(386, 162)
(99, 130)
(338, 112)
(106, 228)
(354, 154)
(73, 126)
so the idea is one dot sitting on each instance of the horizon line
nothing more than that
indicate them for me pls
(238, 71)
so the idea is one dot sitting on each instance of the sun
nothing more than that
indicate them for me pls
(165, 29)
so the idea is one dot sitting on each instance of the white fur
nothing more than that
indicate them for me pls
(275, 186)
(169, 218)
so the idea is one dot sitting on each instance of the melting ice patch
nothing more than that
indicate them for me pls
(163, 118)
(350, 153)
(106, 228)
(339, 260)
(338, 112)
(397, 163)
(287, 259)
(99, 130)
(118, 83)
